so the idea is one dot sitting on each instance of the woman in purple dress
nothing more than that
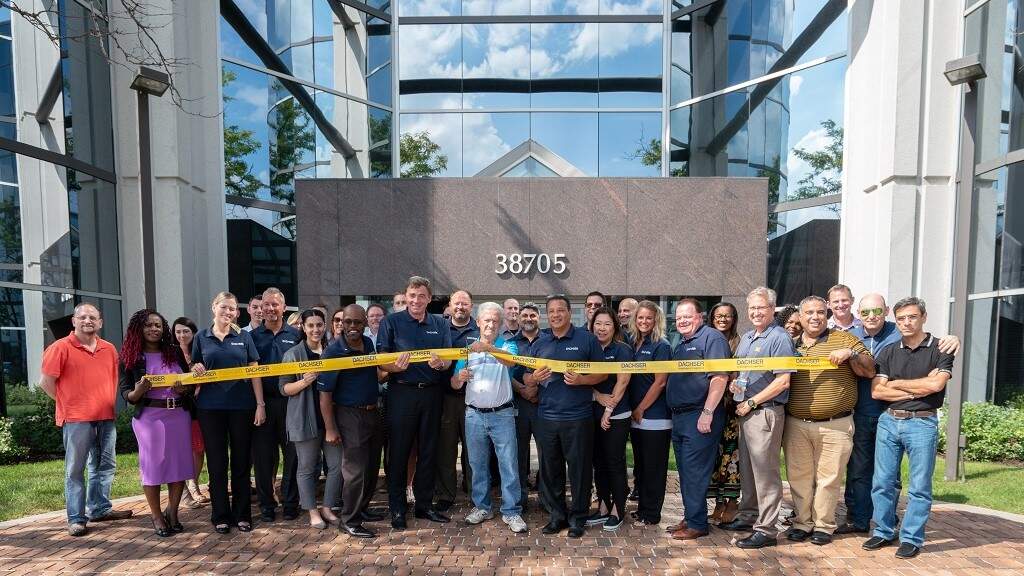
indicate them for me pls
(162, 422)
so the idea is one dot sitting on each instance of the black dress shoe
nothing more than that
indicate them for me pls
(821, 538)
(290, 515)
(737, 525)
(576, 531)
(433, 516)
(222, 528)
(876, 542)
(907, 550)
(368, 516)
(848, 528)
(398, 521)
(756, 540)
(268, 516)
(357, 531)
(554, 527)
(443, 505)
(797, 535)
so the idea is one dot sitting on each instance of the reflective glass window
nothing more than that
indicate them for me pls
(993, 363)
(803, 252)
(530, 168)
(94, 248)
(379, 122)
(563, 6)
(681, 88)
(488, 137)
(88, 123)
(232, 45)
(571, 135)
(997, 244)
(431, 145)
(564, 65)
(994, 32)
(323, 64)
(630, 65)
(279, 23)
(8, 160)
(432, 8)
(378, 43)
(6, 78)
(430, 66)
(10, 236)
(629, 144)
(378, 86)
(246, 108)
(15, 349)
(630, 7)
(496, 65)
(495, 7)
(5, 22)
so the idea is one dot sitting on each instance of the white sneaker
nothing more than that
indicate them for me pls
(516, 523)
(478, 515)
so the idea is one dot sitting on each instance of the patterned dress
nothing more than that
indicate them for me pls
(725, 481)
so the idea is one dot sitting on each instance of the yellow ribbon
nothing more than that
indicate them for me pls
(562, 366)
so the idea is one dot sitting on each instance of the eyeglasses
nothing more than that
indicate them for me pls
(336, 320)
(593, 305)
(867, 312)
(723, 316)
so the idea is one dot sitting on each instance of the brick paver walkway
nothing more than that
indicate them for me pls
(959, 542)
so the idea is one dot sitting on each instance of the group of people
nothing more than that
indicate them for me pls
(878, 401)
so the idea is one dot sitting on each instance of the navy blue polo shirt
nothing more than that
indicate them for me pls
(640, 384)
(352, 387)
(616, 351)
(272, 348)
(888, 335)
(236, 350)
(462, 336)
(558, 400)
(523, 344)
(774, 342)
(400, 332)
(689, 390)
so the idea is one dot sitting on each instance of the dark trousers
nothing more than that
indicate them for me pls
(566, 443)
(227, 434)
(860, 471)
(653, 471)
(696, 458)
(414, 416)
(638, 458)
(526, 426)
(452, 433)
(360, 435)
(268, 441)
(610, 464)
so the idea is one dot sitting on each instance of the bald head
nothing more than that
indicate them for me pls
(872, 311)
(353, 322)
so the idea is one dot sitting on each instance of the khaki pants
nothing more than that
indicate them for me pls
(816, 456)
(760, 480)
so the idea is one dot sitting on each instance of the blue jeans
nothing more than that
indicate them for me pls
(89, 443)
(860, 470)
(497, 429)
(918, 437)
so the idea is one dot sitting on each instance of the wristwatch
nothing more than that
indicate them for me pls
(751, 403)
(706, 412)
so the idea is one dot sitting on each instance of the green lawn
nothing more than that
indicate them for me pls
(27, 489)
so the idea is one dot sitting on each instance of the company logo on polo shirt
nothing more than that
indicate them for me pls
(434, 332)
(648, 352)
(288, 341)
(238, 343)
(691, 348)
(572, 348)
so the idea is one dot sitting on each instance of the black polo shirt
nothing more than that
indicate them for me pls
(236, 350)
(352, 387)
(615, 351)
(272, 347)
(462, 336)
(400, 332)
(523, 344)
(558, 400)
(900, 362)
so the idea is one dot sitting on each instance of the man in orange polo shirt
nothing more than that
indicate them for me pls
(80, 374)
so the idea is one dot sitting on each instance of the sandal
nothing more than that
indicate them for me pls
(161, 531)
(244, 527)
(222, 528)
(176, 526)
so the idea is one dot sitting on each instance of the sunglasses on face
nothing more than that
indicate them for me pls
(867, 312)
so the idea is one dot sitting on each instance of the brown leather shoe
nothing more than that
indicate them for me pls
(681, 525)
(688, 534)
(113, 515)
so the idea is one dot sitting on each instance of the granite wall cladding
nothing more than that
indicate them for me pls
(650, 236)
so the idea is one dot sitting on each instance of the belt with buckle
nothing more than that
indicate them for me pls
(836, 417)
(769, 404)
(168, 403)
(508, 404)
(418, 385)
(908, 414)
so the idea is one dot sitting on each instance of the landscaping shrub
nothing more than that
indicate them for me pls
(10, 451)
(994, 433)
(37, 435)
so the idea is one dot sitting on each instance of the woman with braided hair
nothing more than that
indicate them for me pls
(162, 422)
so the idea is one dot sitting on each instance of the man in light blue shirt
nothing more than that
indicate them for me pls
(491, 420)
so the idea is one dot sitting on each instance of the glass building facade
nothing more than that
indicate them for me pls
(58, 206)
(319, 88)
(994, 360)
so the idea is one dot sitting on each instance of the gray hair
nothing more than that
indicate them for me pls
(909, 301)
(813, 298)
(79, 307)
(489, 307)
(272, 291)
(763, 292)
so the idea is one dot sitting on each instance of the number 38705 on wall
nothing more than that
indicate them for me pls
(525, 263)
